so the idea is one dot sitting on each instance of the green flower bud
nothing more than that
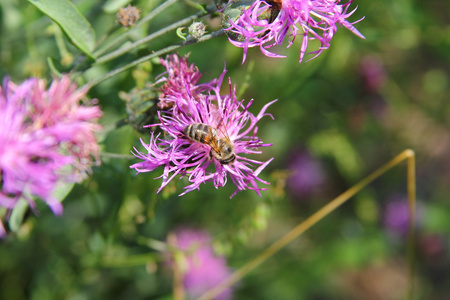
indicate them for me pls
(197, 29)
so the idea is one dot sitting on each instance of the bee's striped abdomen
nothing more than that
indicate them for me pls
(200, 133)
(222, 149)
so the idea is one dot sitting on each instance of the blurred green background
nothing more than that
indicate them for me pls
(338, 118)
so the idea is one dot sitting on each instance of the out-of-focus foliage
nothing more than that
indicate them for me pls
(346, 113)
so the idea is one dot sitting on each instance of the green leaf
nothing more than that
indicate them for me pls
(62, 189)
(52, 67)
(180, 33)
(71, 21)
(112, 6)
(17, 215)
(335, 144)
(60, 192)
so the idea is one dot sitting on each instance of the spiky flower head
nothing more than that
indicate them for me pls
(197, 30)
(264, 24)
(179, 74)
(46, 136)
(225, 118)
(204, 269)
(128, 16)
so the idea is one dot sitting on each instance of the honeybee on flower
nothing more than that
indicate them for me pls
(225, 130)
(221, 147)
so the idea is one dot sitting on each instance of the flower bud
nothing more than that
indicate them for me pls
(139, 107)
(197, 29)
(128, 16)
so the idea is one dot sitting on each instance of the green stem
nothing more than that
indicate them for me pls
(66, 57)
(150, 56)
(128, 261)
(148, 38)
(144, 20)
(116, 155)
(154, 244)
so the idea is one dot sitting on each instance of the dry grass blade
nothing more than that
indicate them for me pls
(323, 212)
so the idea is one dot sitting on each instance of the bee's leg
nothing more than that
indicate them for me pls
(210, 154)
(213, 154)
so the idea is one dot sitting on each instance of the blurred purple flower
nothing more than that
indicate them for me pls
(433, 247)
(267, 23)
(396, 216)
(204, 269)
(377, 105)
(227, 118)
(45, 136)
(373, 74)
(306, 175)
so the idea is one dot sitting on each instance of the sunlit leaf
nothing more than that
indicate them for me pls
(334, 144)
(112, 6)
(71, 21)
(62, 189)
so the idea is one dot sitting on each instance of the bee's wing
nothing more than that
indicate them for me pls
(223, 129)
(214, 142)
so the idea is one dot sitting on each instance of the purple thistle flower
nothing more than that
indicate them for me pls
(373, 74)
(179, 74)
(306, 175)
(204, 269)
(396, 217)
(227, 118)
(45, 137)
(267, 23)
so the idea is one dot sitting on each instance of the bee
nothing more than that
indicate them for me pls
(222, 148)
(275, 7)
(235, 8)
